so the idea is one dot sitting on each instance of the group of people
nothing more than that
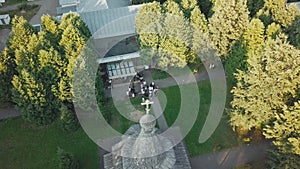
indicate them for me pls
(146, 91)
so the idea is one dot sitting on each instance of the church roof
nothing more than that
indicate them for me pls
(94, 5)
(67, 2)
(111, 22)
(171, 158)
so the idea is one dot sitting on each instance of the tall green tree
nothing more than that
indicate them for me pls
(254, 6)
(72, 42)
(262, 97)
(293, 32)
(148, 26)
(188, 6)
(32, 85)
(7, 72)
(227, 24)
(19, 37)
(254, 36)
(277, 11)
(200, 41)
(42, 85)
(206, 7)
(166, 36)
(174, 48)
(32, 99)
(285, 129)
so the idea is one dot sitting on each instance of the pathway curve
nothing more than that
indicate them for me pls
(232, 158)
(8, 112)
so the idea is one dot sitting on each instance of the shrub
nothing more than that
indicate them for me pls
(68, 119)
(66, 160)
(24, 6)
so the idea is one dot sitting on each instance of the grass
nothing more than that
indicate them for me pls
(118, 121)
(27, 15)
(161, 74)
(12, 2)
(222, 138)
(25, 146)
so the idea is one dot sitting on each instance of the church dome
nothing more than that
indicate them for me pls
(148, 150)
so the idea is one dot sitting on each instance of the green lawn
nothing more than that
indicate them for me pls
(118, 121)
(28, 15)
(161, 74)
(222, 138)
(12, 2)
(25, 146)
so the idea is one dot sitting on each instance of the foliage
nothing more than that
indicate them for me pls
(68, 119)
(25, 6)
(293, 32)
(149, 36)
(101, 98)
(285, 129)
(273, 30)
(135, 2)
(206, 7)
(227, 24)
(254, 6)
(175, 42)
(270, 78)
(280, 160)
(7, 71)
(235, 61)
(167, 39)
(66, 160)
(44, 64)
(187, 6)
(277, 11)
(201, 46)
(254, 36)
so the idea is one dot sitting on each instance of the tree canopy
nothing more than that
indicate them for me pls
(227, 24)
(265, 96)
(44, 61)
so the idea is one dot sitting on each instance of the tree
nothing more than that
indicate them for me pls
(44, 64)
(72, 42)
(31, 99)
(236, 61)
(174, 48)
(254, 35)
(20, 36)
(188, 6)
(206, 7)
(280, 160)
(200, 41)
(263, 90)
(167, 36)
(227, 24)
(285, 129)
(68, 119)
(7, 71)
(66, 160)
(254, 6)
(293, 32)
(277, 11)
(149, 36)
